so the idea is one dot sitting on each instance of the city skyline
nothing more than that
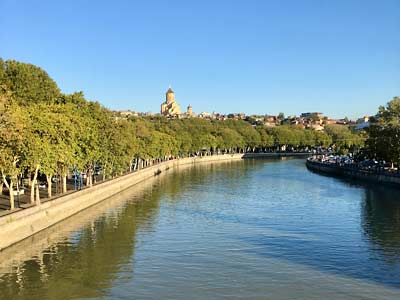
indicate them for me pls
(187, 106)
(258, 58)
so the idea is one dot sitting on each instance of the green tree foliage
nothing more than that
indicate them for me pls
(12, 127)
(384, 133)
(344, 139)
(266, 139)
(28, 83)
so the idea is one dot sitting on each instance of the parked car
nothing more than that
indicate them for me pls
(42, 185)
(21, 191)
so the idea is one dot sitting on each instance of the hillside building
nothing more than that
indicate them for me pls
(170, 107)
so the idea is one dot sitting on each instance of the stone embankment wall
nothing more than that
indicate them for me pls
(351, 173)
(275, 155)
(17, 226)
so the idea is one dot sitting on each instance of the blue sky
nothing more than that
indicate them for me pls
(341, 57)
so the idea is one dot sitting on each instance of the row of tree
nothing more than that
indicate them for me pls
(45, 132)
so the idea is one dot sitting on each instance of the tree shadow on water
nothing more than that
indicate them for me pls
(374, 255)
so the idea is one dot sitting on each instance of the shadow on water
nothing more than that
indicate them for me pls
(83, 255)
(335, 253)
(380, 218)
(82, 262)
(380, 226)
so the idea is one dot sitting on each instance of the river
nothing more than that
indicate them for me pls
(252, 229)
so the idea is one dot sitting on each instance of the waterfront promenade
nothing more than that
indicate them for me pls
(355, 172)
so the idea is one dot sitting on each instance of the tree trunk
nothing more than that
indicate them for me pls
(32, 198)
(1, 188)
(48, 178)
(11, 190)
(34, 183)
(37, 195)
(64, 183)
(104, 171)
(130, 166)
(88, 178)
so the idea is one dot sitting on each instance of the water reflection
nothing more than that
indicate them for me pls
(381, 221)
(240, 229)
(85, 263)
(83, 255)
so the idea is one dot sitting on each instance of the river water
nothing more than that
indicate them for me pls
(252, 229)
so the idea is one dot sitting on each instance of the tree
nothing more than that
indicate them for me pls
(343, 138)
(36, 143)
(314, 117)
(229, 139)
(266, 140)
(11, 128)
(28, 83)
(322, 139)
(384, 133)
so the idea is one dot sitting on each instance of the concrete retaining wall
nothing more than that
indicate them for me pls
(354, 173)
(275, 155)
(22, 224)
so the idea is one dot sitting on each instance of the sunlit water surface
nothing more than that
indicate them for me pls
(254, 229)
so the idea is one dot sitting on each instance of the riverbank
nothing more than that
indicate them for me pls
(21, 224)
(353, 173)
(276, 154)
(197, 225)
(23, 202)
(18, 226)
